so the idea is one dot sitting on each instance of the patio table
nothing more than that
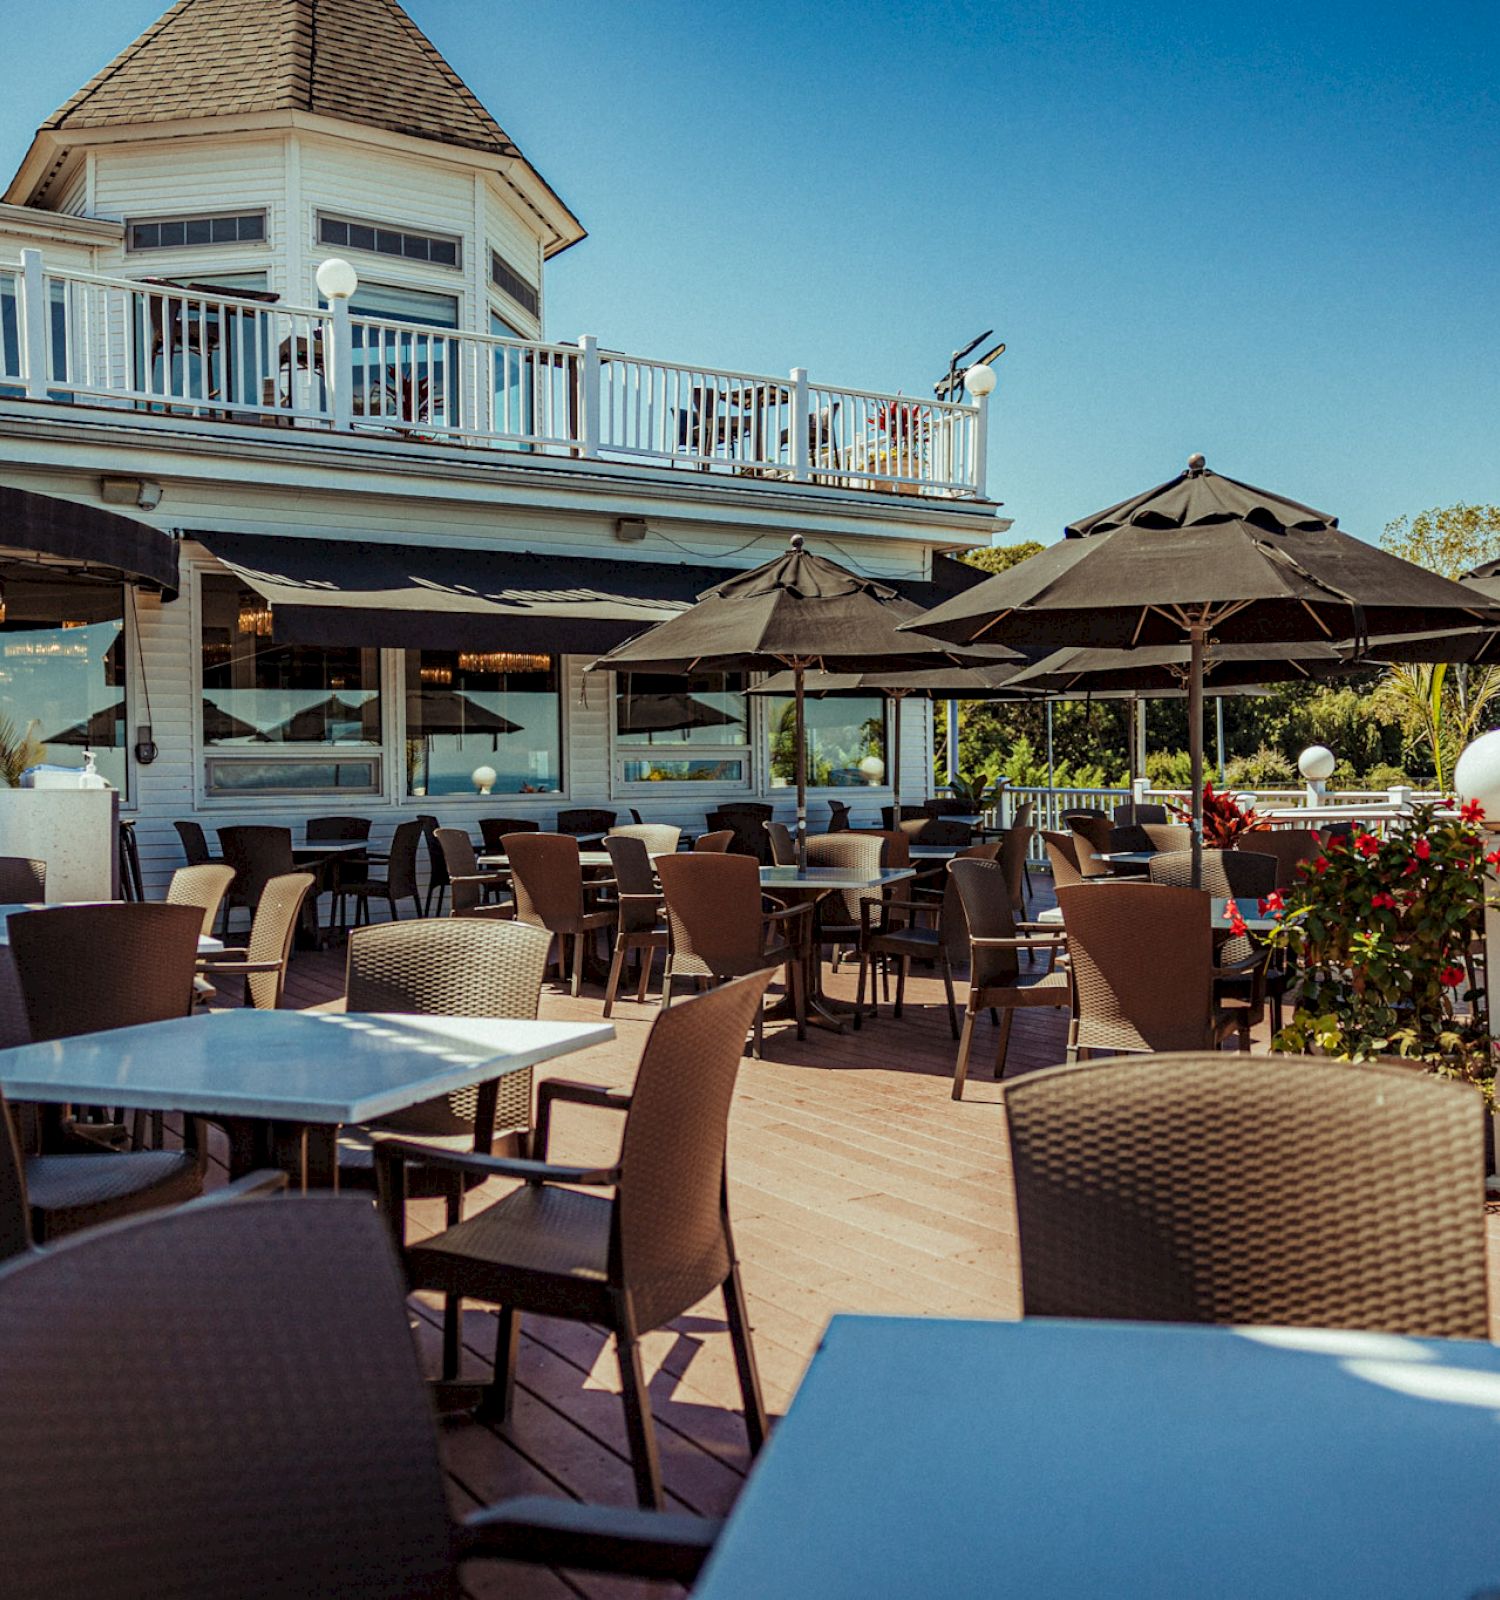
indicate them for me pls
(1256, 920)
(968, 1459)
(1126, 858)
(207, 943)
(795, 886)
(934, 852)
(297, 1076)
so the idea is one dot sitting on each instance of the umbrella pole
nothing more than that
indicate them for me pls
(896, 760)
(801, 770)
(1195, 743)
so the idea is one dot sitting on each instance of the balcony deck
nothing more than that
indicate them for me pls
(857, 1185)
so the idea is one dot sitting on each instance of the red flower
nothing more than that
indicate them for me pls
(1383, 901)
(1321, 864)
(1367, 844)
(1273, 904)
(1235, 920)
(1493, 858)
(1451, 977)
(1472, 811)
(1422, 849)
(1337, 841)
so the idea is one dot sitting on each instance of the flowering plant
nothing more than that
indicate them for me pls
(1224, 819)
(1381, 928)
(901, 420)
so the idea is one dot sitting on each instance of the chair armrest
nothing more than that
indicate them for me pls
(641, 899)
(213, 965)
(990, 943)
(500, 875)
(575, 1092)
(786, 913)
(1040, 927)
(553, 1532)
(267, 1181)
(410, 1152)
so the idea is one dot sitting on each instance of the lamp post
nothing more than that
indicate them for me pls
(337, 281)
(1477, 777)
(1316, 764)
(980, 381)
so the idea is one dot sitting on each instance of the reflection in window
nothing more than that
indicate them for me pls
(473, 713)
(405, 373)
(62, 667)
(260, 696)
(845, 741)
(674, 728)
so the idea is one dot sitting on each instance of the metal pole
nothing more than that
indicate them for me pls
(801, 768)
(895, 762)
(1219, 730)
(952, 762)
(1195, 744)
(1051, 807)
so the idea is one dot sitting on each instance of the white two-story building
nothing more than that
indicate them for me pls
(304, 508)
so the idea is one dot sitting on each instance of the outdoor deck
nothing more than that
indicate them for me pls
(857, 1185)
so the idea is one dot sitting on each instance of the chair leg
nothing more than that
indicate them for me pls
(1010, 1016)
(648, 960)
(758, 1038)
(616, 967)
(901, 973)
(737, 1315)
(453, 1333)
(961, 1066)
(638, 1425)
(948, 987)
(859, 993)
(666, 983)
(577, 964)
(500, 1393)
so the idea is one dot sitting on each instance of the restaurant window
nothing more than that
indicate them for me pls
(280, 718)
(515, 400)
(682, 728)
(509, 281)
(404, 372)
(483, 722)
(62, 667)
(350, 233)
(179, 233)
(845, 741)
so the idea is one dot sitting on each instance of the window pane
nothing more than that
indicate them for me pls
(247, 775)
(252, 228)
(198, 230)
(471, 710)
(845, 741)
(444, 252)
(726, 769)
(361, 236)
(387, 243)
(332, 231)
(414, 245)
(259, 694)
(702, 708)
(173, 233)
(405, 305)
(62, 668)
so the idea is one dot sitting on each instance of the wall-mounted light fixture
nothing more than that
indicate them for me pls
(142, 493)
(630, 530)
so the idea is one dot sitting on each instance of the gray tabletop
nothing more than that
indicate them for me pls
(298, 1066)
(969, 1459)
(933, 852)
(1256, 920)
(1127, 858)
(207, 943)
(831, 877)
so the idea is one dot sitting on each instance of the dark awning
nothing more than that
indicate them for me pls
(415, 597)
(99, 540)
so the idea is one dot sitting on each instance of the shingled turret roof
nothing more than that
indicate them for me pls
(361, 61)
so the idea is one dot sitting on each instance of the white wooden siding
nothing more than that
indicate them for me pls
(73, 200)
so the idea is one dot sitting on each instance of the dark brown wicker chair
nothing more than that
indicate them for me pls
(1274, 1189)
(469, 885)
(746, 825)
(437, 867)
(195, 844)
(550, 893)
(1289, 846)
(492, 830)
(262, 962)
(946, 806)
(942, 831)
(996, 981)
(659, 838)
(838, 816)
(719, 928)
(400, 879)
(783, 844)
(1132, 815)
(639, 927)
(22, 880)
(840, 917)
(1143, 970)
(1062, 855)
(630, 1264)
(257, 855)
(329, 1482)
(890, 821)
(1093, 837)
(585, 822)
(890, 931)
(456, 967)
(714, 844)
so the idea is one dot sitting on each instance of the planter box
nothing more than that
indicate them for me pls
(75, 831)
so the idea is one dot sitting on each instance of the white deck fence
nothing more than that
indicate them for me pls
(191, 351)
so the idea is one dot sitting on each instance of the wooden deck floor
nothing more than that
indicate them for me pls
(857, 1184)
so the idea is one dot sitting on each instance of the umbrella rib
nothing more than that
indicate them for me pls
(1327, 631)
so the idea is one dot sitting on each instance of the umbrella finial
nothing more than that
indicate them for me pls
(796, 541)
(1196, 463)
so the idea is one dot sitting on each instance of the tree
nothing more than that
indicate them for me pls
(1452, 540)
(1002, 557)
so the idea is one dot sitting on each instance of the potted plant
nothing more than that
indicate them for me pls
(901, 430)
(1224, 819)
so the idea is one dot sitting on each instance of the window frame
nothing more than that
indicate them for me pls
(262, 243)
(821, 790)
(498, 258)
(320, 216)
(678, 788)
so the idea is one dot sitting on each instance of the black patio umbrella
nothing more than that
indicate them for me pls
(1088, 673)
(1206, 558)
(800, 612)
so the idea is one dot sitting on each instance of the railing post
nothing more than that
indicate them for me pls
(338, 360)
(589, 382)
(801, 429)
(981, 444)
(33, 311)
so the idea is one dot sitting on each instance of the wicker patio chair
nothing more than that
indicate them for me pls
(1132, 815)
(1291, 847)
(327, 1481)
(889, 819)
(263, 960)
(550, 893)
(943, 831)
(400, 879)
(469, 885)
(719, 928)
(1079, 814)
(838, 816)
(1281, 1189)
(783, 844)
(492, 830)
(632, 1263)
(1168, 835)
(890, 931)
(22, 880)
(1143, 970)
(659, 838)
(195, 844)
(946, 806)
(1062, 855)
(437, 867)
(996, 982)
(257, 855)
(746, 826)
(714, 844)
(585, 822)
(203, 886)
(1094, 837)
(639, 927)
(839, 918)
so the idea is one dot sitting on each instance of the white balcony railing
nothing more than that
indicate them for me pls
(82, 337)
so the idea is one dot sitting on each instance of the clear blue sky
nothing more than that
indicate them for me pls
(1268, 232)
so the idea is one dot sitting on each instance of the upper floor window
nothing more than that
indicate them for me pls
(348, 233)
(175, 233)
(505, 277)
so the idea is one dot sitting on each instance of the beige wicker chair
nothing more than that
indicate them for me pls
(263, 961)
(1143, 970)
(22, 880)
(996, 981)
(639, 910)
(1091, 839)
(659, 838)
(202, 886)
(1168, 835)
(1272, 1189)
(550, 893)
(630, 1264)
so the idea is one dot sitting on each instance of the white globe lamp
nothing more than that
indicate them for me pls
(980, 381)
(336, 279)
(873, 768)
(1477, 775)
(483, 779)
(1316, 763)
